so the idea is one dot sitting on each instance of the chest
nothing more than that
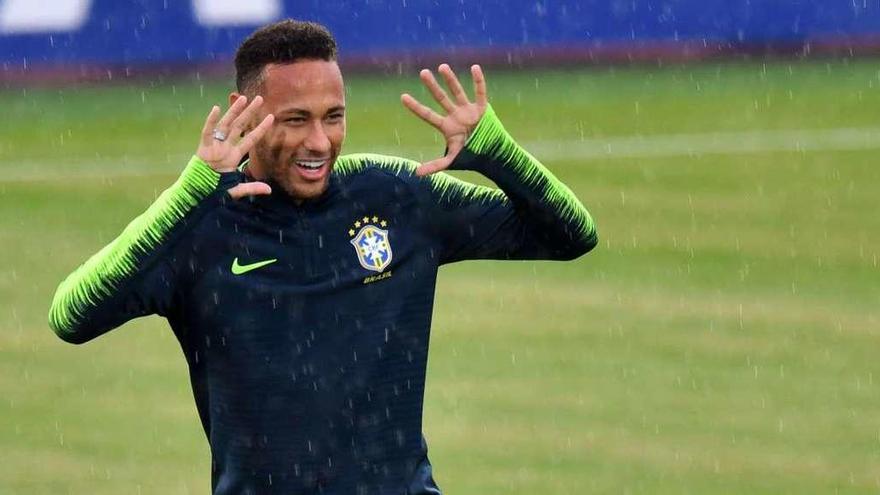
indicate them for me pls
(300, 293)
(347, 258)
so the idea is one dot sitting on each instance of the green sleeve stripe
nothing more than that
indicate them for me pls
(358, 162)
(491, 140)
(443, 186)
(101, 275)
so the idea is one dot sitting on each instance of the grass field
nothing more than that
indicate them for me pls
(722, 338)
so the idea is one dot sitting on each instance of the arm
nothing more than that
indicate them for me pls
(534, 216)
(132, 276)
(135, 274)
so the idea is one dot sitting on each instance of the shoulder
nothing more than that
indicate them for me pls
(373, 167)
(379, 174)
(370, 163)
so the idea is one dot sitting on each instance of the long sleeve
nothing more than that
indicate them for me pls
(132, 276)
(532, 216)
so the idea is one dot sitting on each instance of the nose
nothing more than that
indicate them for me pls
(317, 141)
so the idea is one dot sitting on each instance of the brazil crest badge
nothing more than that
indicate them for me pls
(372, 245)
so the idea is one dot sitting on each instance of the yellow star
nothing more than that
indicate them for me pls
(366, 219)
(375, 219)
(351, 232)
(357, 224)
(384, 223)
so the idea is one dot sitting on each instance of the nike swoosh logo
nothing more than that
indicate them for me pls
(240, 269)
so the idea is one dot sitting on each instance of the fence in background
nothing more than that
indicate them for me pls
(77, 35)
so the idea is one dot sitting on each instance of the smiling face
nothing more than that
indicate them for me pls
(307, 98)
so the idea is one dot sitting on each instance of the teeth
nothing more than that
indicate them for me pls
(311, 165)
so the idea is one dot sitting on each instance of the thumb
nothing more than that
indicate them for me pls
(249, 189)
(433, 166)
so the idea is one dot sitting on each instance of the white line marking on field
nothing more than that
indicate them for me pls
(717, 143)
(612, 147)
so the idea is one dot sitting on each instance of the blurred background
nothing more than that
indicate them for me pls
(722, 338)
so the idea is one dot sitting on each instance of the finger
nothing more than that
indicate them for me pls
(480, 93)
(436, 91)
(421, 111)
(234, 109)
(434, 166)
(251, 138)
(453, 84)
(249, 189)
(210, 124)
(244, 118)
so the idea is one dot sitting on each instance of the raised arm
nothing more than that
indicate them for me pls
(532, 216)
(135, 274)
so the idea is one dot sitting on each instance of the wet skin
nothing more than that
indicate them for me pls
(297, 153)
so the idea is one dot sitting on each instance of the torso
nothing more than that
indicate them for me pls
(318, 358)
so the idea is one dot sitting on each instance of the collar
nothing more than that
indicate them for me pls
(279, 199)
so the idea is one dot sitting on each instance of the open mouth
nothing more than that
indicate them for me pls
(311, 164)
(313, 169)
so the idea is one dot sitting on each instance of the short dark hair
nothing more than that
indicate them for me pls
(283, 42)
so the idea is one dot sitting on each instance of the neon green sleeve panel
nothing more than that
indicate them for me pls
(491, 151)
(101, 275)
(443, 187)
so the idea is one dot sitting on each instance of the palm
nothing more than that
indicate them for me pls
(456, 126)
(461, 117)
(224, 154)
(225, 140)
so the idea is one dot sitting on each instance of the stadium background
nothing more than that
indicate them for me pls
(721, 339)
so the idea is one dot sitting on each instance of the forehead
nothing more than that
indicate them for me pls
(316, 82)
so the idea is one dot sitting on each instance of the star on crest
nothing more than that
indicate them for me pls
(365, 221)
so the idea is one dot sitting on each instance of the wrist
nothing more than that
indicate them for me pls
(488, 141)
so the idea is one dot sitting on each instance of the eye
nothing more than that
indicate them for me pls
(335, 117)
(295, 120)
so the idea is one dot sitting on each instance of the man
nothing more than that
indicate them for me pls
(300, 284)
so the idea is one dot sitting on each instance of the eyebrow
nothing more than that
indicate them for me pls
(305, 113)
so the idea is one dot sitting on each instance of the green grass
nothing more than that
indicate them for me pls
(721, 339)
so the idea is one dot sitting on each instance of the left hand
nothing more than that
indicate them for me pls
(461, 115)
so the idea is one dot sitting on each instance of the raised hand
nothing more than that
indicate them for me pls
(461, 114)
(221, 145)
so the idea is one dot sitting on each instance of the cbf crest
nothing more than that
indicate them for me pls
(371, 243)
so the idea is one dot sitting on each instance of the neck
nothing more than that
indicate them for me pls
(254, 173)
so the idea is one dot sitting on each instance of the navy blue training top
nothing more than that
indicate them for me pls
(306, 326)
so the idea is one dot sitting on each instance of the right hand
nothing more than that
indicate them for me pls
(224, 156)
